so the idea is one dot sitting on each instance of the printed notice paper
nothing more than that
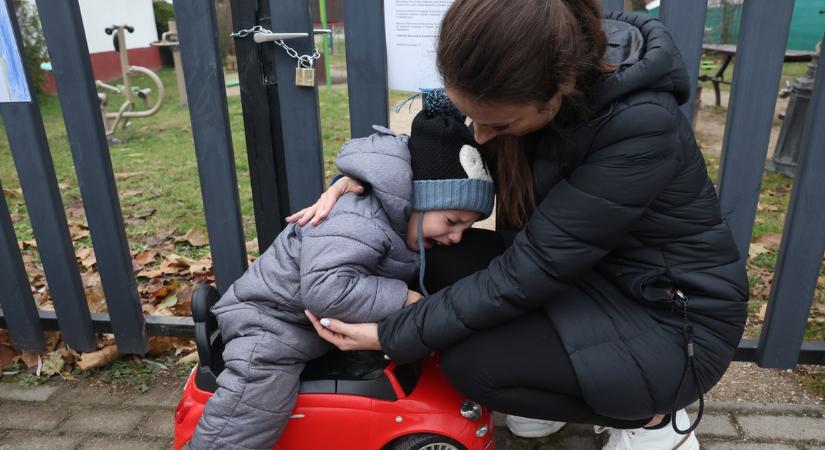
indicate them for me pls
(13, 87)
(411, 27)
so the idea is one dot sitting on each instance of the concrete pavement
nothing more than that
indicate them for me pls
(83, 416)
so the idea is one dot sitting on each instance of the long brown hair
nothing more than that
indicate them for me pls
(520, 52)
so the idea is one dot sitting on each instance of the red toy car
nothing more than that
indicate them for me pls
(348, 400)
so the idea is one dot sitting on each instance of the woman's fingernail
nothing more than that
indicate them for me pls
(306, 311)
(325, 322)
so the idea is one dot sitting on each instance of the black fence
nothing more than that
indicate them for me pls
(282, 128)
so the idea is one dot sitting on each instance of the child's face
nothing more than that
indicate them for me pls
(440, 227)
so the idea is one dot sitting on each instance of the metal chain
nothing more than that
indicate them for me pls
(303, 60)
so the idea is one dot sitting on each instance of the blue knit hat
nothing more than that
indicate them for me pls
(448, 171)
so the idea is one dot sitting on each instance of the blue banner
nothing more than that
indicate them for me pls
(13, 86)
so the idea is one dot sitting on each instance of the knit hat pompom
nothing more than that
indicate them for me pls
(436, 102)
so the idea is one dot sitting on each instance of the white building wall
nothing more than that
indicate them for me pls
(99, 14)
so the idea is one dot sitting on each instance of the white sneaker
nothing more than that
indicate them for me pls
(664, 438)
(531, 428)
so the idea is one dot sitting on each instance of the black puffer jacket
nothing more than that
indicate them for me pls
(625, 210)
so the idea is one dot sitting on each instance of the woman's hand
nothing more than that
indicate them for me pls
(412, 297)
(346, 336)
(317, 212)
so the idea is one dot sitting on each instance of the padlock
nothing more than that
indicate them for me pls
(304, 76)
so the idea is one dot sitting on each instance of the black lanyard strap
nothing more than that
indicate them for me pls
(690, 366)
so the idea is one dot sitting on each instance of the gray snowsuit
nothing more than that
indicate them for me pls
(354, 266)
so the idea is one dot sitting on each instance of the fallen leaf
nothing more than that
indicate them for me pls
(87, 257)
(145, 257)
(78, 231)
(150, 273)
(97, 359)
(158, 289)
(168, 303)
(172, 268)
(160, 293)
(53, 363)
(126, 175)
(201, 266)
(96, 299)
(30, 358)
(7, 356)
(68, 354)
(189, 359)
(252, 246)
(183, 306)
(144, 213)
(162, 311)
(75, 212)
(195, 238)
(207, 277)
(162, 344)
(185, 345)
(12, 193)
(757, 249)
(132, 192)
(15, 217)
(91, 279)
(768, 207)
(52, 340)
(67, 376)
(30, 243)
(771, 240)
(106, 339)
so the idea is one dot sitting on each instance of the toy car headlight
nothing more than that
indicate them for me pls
(471, 410)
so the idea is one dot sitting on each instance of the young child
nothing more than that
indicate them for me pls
(354, 266)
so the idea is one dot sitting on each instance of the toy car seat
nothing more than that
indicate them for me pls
(356, 373)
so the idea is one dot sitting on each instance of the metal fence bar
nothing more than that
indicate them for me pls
(27, 139)
(366, 66)
(811, 352)
(612, 5)
(63, 29)
(300, 120)
(16, 302)
(203, 70)
(760, 54)
(803, 242)
(686, 21)
(262, 121)
(182, 326)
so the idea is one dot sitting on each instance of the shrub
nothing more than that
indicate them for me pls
(33, 41)
(164, 12)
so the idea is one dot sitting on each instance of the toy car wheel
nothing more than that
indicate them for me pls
(425, 442)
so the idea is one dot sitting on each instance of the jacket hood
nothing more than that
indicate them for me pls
(646, 56)
(382, 160)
